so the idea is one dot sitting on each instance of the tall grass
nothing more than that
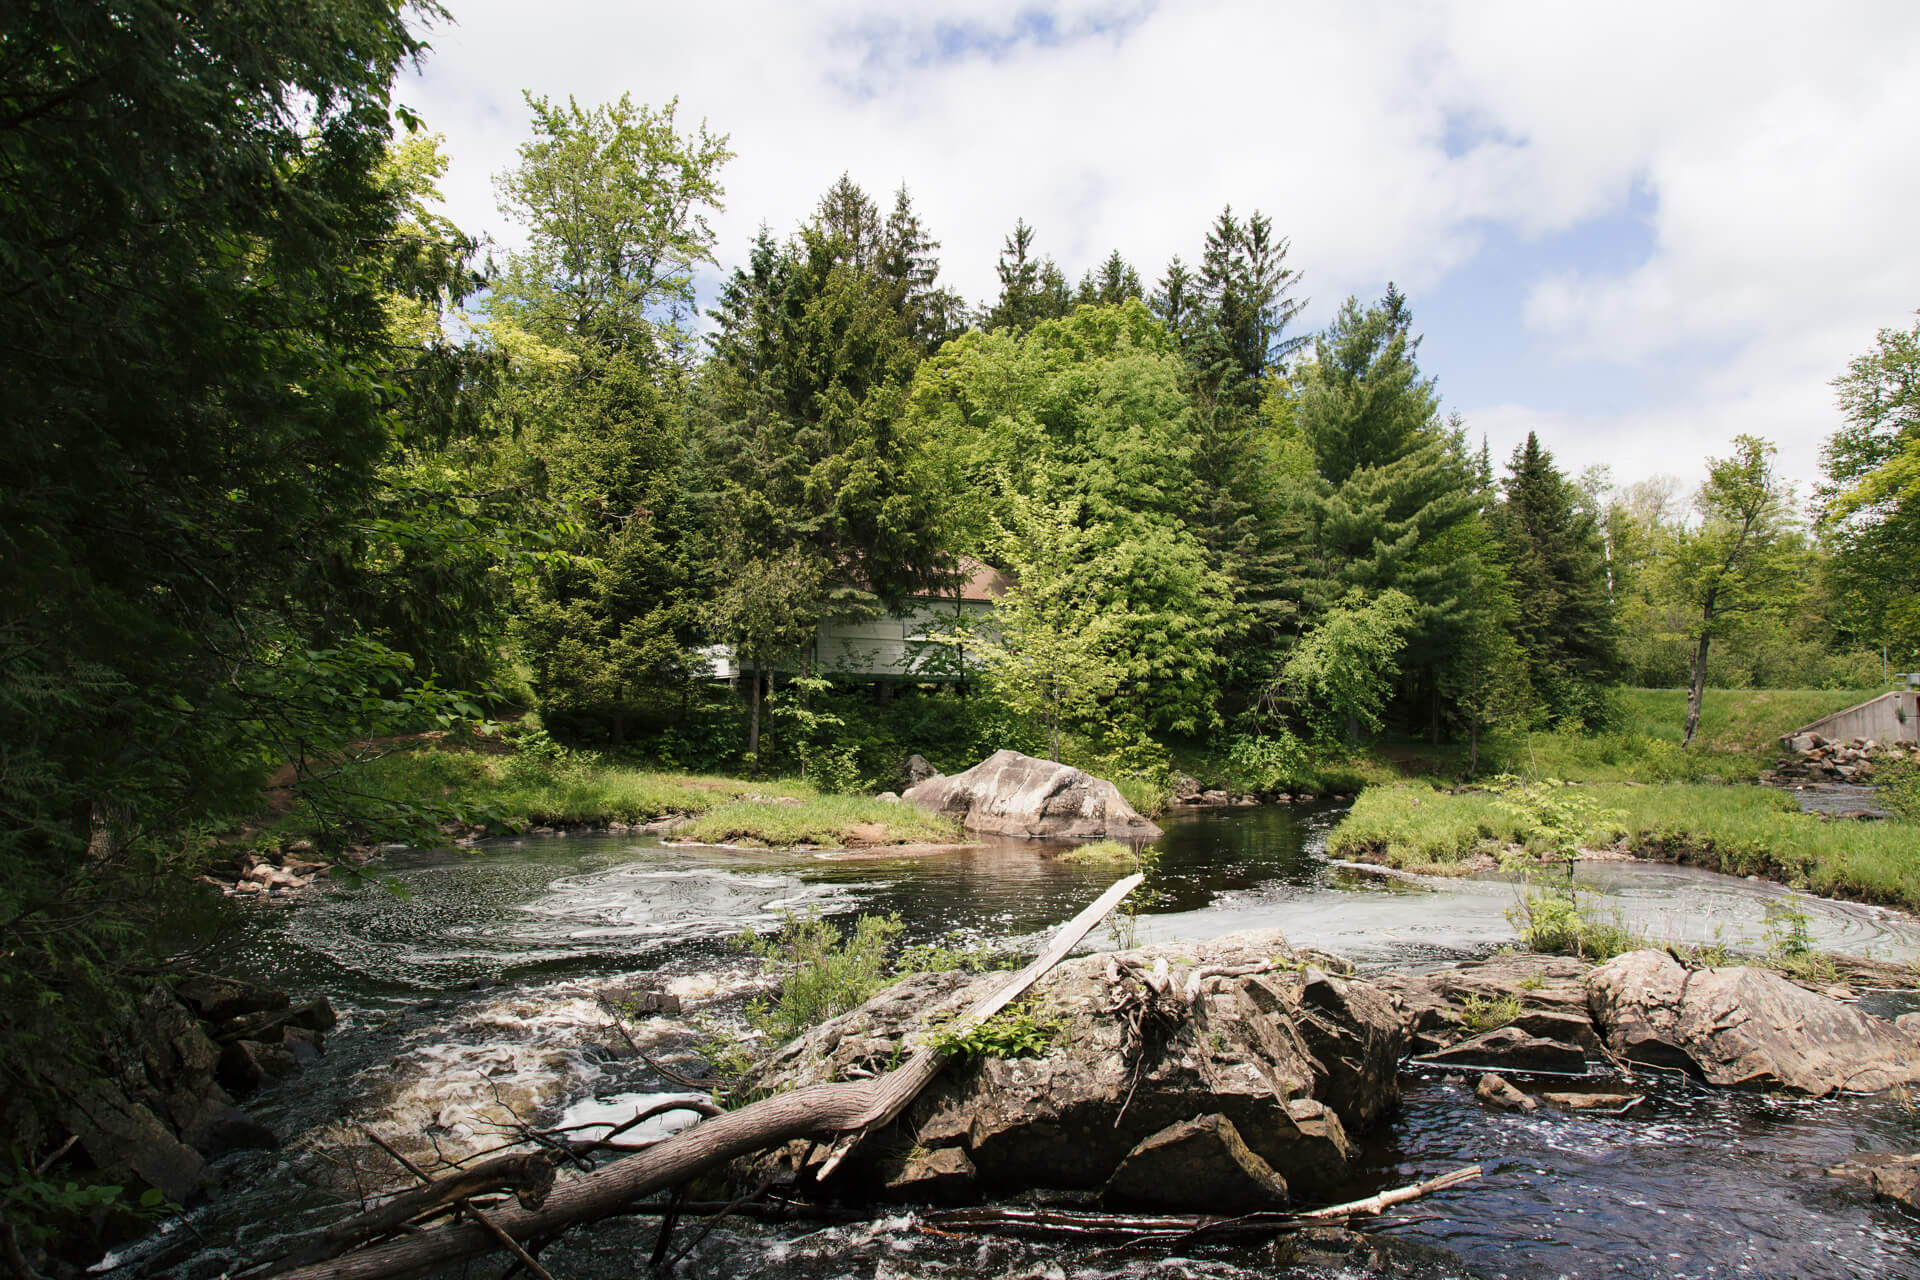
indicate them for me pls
(1741, 830)
(513, 791)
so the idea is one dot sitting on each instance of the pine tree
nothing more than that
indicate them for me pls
(1555, 563)
(1390, 481)
(1031, 290)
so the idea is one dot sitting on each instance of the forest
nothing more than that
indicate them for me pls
(292, 465)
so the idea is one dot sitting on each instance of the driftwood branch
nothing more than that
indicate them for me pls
(842, 1111)
(1150, 1228)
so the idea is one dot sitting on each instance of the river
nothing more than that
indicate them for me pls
(467, 981)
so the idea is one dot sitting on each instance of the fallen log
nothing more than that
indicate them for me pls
(529, 1177)
(841, 1112)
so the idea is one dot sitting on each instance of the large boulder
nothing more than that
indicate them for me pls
(1291, 1058)
(1015, 795)
(1745, 1026)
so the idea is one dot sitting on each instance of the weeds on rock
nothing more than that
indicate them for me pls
(1017, 1031)
(1554, 918)
(1790, 943)
(822, 972)
(1480, 1013)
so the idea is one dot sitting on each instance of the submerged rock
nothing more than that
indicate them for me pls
(1889, 1176)
(1745, 1026)
(1016, 795)
(1292, 1058)
(1498, 1091)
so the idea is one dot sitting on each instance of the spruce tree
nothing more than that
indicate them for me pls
(1550, 547)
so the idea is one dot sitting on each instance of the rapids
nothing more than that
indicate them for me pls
(469, 986)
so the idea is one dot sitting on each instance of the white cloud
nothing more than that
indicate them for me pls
(1776, 142)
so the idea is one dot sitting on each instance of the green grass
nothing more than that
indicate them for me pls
(1741, 830)
(1101, 853)
(1417, 827)
(1739, 735)
(507, 792)
(828, 821)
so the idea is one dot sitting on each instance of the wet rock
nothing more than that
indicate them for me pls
(216, 999)
(218, 1127)
(1888, 1175)
(1744, 1026)
(304, 1043)
(929, 1177)
(1549, 991)
(1198, 1161)
(126, 1140)
(1241, 1027)
(1499, 1092)
(1512, 1049)
(1016, 795)
(315, 1015)
(1186, 788)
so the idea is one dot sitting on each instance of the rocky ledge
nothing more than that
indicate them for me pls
(1234, 1075)
(1235, 1072)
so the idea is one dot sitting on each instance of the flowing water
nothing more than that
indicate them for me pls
(470, 988)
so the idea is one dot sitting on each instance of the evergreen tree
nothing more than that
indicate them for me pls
(800, 408)
(615, 202)
(1113, 283)
(1389, 481)
(1031, 290)
(1555, 564)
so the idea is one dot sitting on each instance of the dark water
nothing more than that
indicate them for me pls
(470, 1001)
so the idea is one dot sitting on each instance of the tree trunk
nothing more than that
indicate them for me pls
(845, 1111)
(753, 722)
(1473, 747)
(1696, 691)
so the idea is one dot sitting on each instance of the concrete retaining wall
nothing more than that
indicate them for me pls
(1891, 717)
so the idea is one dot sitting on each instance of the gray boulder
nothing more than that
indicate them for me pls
(1015, 795)
(917, 770)
(1745, 1026)
(1199, 1161)
(1243, 1028)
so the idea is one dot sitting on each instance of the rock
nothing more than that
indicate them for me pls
(1908, 1023)
(1186, 788)
(126, 1140)
(1245, 801)
(1511, 1049)
(1294, 1058)
(305, 1044)
(1593, 1101)
(315, 1015)
(1496, 1091)
(888, 797)
(215, 999)
(1550, 992)
(1012, 794)
(1199, 1161)
(1214, 797)
(1744, 1026)
(929, 1177)
(917, 770)
(220, 1127)
(1889, 1176)
(240, 1070)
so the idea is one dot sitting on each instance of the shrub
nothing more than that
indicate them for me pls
(822, 972)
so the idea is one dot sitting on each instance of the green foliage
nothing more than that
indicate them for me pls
(1555, 569)
(1417, 828)
(822, 971)
(954, 953)
(1737, 564)
(1020, 1030)
(42, 1211)
(1870, 500)
(1556, 815)
(1898, 783)
(219, 358)
(1341, 672)
(1558, 919)
(1480, 1013)
(1790, 942)
(1269, 762)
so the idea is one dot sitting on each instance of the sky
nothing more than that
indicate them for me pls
(1637, 229)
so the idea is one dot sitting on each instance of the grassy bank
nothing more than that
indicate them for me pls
(506, 791)
(1741, 830)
